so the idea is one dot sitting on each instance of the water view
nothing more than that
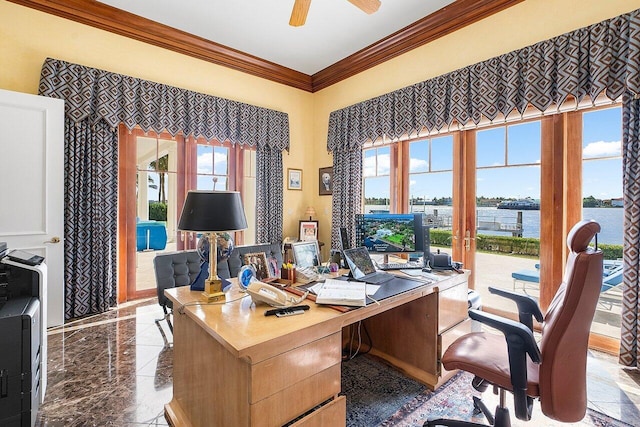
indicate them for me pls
(610, 219)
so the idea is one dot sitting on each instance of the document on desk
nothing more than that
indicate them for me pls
(341, 292)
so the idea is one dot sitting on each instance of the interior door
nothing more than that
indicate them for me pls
(31, 185)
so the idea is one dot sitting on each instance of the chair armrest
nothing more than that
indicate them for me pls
(527, 306)
(520, 342)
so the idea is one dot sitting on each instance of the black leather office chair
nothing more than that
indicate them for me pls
(555, 372)
(174, 269)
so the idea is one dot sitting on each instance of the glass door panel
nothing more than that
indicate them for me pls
(508, 212)
(602, 201)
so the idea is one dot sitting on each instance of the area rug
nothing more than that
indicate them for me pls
(379, 395)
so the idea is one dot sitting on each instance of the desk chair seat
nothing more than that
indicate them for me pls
(555, 372)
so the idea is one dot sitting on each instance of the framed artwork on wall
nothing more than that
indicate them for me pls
(308, 231)
(325, 180)
(294, 179)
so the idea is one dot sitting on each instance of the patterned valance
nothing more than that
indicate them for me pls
(101, 95)
(601, 58)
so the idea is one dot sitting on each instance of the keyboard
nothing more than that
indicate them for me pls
(400, 265)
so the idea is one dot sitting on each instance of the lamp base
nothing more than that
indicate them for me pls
(213, 290)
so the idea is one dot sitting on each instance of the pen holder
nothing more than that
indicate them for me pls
(288, 275)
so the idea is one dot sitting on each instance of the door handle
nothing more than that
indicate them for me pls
(54, 239)
(467, 240)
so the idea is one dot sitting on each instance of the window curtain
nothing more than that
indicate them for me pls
(601, 58)
(96, 102)
(91, 217)
(629, 346)
(269, 211)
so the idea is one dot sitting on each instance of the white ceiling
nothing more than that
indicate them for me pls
(334, 29)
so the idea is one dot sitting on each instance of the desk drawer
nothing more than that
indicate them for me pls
(284, 370)
(452, 306)
(332, 414)
(294, 401)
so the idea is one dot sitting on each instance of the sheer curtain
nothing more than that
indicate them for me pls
(96, 102)
(601, 58)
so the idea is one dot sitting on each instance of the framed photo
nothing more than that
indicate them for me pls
(325, 180)
(259, 262)
(308, 231)
(306, 254)
(294, 179)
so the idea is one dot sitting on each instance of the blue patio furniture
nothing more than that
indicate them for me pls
(151, 235)
(611, 276)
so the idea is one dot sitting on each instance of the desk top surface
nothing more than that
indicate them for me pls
(243, 329)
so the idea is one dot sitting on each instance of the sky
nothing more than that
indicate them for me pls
(508, 159)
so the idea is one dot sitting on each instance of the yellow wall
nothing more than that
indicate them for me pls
(27, 37)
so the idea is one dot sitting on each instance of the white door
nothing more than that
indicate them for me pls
(31, 185)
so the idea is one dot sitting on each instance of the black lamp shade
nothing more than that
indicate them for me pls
(210, 211)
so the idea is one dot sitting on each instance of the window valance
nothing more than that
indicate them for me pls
(601, 58)
(116, 98)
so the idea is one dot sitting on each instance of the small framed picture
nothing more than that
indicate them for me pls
(259, 262)
(308, 231)
(306, 254)
(294, 179)
(325, 180)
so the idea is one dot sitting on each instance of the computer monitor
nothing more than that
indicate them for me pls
(391, 233)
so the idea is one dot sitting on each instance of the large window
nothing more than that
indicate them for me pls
(504, 163)
(507, 210)
(165, 169)
(602, 201)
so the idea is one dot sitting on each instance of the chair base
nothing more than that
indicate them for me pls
(502, 419)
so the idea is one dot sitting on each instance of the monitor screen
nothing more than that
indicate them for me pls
(384, 232)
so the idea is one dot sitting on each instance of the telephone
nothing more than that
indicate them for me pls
(307, 274)
(262, 292)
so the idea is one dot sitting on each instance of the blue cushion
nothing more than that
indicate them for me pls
(527, 275)
(151, 235)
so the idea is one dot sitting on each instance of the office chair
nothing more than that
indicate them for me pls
(555, 372)
(174, 269)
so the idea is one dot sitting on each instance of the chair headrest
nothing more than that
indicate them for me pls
(581, 234)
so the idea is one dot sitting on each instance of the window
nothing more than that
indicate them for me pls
(376, 172)
(430, 173)
(212, 165)
(602, 201)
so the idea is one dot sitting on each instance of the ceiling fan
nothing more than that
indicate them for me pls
(301, 8)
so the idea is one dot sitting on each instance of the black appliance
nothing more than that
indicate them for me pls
(19, 361)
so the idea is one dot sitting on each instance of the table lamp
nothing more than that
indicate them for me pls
(310, 211)
(210, 212)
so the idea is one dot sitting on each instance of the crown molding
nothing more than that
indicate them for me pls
(108, 18)
(440, 23)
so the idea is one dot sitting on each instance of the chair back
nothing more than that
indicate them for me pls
(175, 269)
(565, 329)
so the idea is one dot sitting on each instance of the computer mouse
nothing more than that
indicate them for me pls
(426, 270)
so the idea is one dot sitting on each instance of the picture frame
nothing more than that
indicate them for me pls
(259, 262)
(325, 181)
(306, 254)
(294, 179)
(308, 231)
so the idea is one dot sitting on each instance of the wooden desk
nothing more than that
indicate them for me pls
(235, 367)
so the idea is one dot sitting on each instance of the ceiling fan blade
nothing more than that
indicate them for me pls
(367, 6)
(299, 13)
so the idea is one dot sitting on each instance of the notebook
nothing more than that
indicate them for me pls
(362, 268)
